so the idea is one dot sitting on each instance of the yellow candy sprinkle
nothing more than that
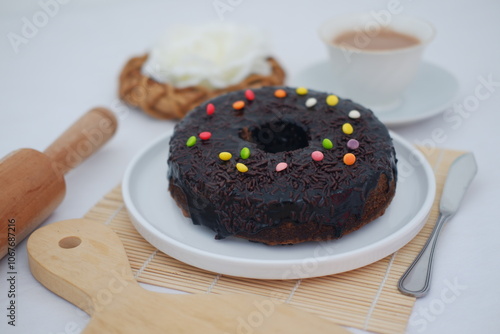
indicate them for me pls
(241, 167)
(347, 128)
(332, 100)
(301, 91)
(225, 156)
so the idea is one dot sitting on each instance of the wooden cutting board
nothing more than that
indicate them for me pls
(85, 263)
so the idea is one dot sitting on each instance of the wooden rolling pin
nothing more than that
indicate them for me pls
(32, 183)
(84, 262)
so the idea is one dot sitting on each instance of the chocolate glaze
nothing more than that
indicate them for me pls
(213, 193)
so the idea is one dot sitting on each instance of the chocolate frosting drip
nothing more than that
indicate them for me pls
(277, 130)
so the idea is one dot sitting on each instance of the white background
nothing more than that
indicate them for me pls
(72, 64)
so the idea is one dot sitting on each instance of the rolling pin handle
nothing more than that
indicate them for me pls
(82, 139)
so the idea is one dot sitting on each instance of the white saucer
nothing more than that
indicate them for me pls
(433, 90)
(158, 219)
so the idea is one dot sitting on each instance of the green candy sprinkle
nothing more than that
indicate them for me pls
(327, 143)
(191, 141)
(245, 153)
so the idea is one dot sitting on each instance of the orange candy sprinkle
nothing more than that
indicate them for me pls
(349, 159)
(238, 105)
(280, 93)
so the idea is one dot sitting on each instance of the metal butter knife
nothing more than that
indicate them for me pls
(416, 280)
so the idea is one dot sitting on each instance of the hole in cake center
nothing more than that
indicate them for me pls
(277, 136)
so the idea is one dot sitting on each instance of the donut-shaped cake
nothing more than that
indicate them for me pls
(280, 165)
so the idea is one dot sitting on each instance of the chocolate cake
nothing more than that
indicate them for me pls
(280, 165)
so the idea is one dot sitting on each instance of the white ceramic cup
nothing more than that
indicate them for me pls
(374, 78)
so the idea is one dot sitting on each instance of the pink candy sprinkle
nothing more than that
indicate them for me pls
(353, 144)
(281, 166)
(205, 135)
(250, 95)
(317, 156)
(210, 109)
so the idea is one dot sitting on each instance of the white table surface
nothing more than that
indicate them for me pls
(72, 65)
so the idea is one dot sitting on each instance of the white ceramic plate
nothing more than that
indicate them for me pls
(432, 91)
(158, 219)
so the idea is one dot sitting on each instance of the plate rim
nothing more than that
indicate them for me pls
(398, 121)
(178, 250)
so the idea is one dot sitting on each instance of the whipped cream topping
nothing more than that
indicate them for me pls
(215, 55)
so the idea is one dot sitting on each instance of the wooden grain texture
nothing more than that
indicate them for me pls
(365, 298)
(32, 183)
(29, 191)
(82, 139)
(84, 262)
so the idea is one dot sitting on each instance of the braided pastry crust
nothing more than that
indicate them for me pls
(165, 101)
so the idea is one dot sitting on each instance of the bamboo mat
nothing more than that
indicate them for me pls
(365, 298)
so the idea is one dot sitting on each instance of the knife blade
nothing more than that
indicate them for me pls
(416, 280)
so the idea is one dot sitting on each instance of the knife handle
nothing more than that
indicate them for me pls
(416, 280)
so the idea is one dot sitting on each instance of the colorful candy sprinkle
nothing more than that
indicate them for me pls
(311, 102)
(353, 144)
(327, 143)
(317, 156)
(347, 128)
(301, 91)
(332, 100)
(354, 114)
(191, 141)
(241, 167)
(280, 93)
(245, 153)
(225, 156)
(210, 109)
(281, 166)
(250, 95)
(238, 105)
(349, 159)
(205, 135)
